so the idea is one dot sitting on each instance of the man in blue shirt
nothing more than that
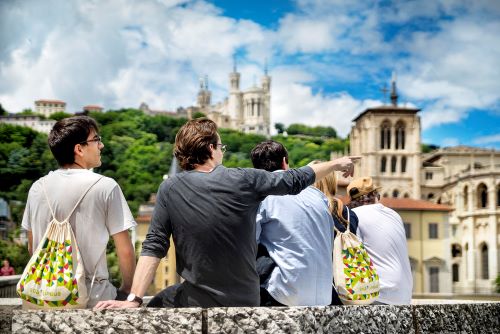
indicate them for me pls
(297, 231)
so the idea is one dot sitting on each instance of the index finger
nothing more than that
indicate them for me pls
(355, 157)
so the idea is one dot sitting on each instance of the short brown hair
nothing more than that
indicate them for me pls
(269, 155)
(192, 142)
(68, 132)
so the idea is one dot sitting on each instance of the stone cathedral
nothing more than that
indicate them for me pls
(467, 179)
(247, 111)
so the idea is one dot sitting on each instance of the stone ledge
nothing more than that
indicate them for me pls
(424, 318)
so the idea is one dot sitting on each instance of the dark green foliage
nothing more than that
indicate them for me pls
(59, 115)
(317, 131)
(427, 148)
(199, 114)
(137, 153)
(280, 127)
(3, 111)
(17, 255)
(24, 157)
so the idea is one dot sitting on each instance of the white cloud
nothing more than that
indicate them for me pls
(155, 51)
(450, 141)
(487, 139)
(295, 102)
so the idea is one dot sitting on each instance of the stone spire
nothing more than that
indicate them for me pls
(394, 93)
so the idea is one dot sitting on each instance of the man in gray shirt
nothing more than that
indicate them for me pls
(210, 212)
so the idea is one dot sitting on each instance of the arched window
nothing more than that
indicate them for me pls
(385, 135)
(466, 198)
(393, 164)
(456, 250)
(406, 195)
(403, 165)
(466, 248)
(383, 164)
(400, 135)
(455, 272)
(498, 195)
(395, 193)
(430, 196)
(385, 195)
(482, 196)
(484, 262)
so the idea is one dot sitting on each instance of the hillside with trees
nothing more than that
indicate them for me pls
(138, 152)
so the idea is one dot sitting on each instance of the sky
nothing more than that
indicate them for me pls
(328, 59)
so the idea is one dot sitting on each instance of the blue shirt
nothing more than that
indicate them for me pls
(297, 231)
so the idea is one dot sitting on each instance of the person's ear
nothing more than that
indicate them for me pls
(78, 150)
(284, 164)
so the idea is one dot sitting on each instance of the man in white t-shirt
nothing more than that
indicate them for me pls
(103, 211)
(382, 232)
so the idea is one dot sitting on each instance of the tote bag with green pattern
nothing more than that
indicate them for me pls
(54, 278)
(356, 280)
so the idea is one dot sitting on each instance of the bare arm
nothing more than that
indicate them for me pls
(344, 164)
(30, 242)
(144, 273)
(126, 259)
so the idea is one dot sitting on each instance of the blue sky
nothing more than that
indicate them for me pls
(328, 59)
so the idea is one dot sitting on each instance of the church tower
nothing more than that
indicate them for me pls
(204, 95)
(388, 139)
(235, 111)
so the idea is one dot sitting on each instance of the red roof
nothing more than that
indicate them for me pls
(407, 204)
(50, 101)
(93, 106)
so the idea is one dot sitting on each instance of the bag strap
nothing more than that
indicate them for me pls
(77, 203)
(336, 211)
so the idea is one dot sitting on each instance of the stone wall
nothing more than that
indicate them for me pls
(422, 318)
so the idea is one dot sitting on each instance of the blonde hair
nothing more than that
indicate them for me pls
(328, 186)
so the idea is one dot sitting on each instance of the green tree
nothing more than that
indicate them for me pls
(17, 255)
(2, 110)
(199, 114)
(427, 148)
(280, 127)
(59, 115)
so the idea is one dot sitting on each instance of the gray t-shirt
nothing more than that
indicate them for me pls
(102, 212)
(212, 219)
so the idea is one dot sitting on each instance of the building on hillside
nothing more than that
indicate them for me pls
(92, 108)
(465, 178)
(49, 107)
(179, 113)
(248, 111)
(166, 274)
(31, 121)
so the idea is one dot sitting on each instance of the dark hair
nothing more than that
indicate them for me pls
(68, 132)
(192, 142)
(366, 199)
(269, 155)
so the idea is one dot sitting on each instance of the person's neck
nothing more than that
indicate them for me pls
(207, 167)
(74, 165)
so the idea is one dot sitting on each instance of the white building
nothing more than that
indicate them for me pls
(34, 122)
(247, 111)
(465, 178)
(49, 107)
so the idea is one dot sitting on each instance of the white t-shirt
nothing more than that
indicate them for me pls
(382, 232)
(102, 212)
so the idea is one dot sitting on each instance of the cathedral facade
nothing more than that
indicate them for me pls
(248, 111)
(465, 178)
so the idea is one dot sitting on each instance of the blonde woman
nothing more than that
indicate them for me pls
(340, 213)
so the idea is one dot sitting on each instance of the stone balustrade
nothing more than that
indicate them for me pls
(421, 317)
